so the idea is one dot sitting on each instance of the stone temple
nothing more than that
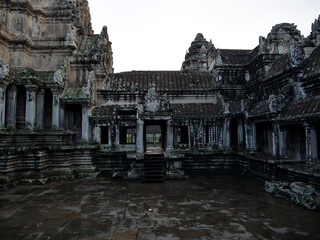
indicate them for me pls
(65, 114)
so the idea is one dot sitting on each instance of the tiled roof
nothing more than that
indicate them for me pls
(280, 65)
(234, 57)
(259, 108)
(253, 54)
(161, 80)
(313, 64)
(303, 108)
(197, 110)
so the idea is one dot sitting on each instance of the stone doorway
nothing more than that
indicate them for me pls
(154, 137)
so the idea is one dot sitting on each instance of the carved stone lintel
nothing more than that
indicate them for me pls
(156, 103)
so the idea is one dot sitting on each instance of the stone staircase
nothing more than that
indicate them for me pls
(154, 168)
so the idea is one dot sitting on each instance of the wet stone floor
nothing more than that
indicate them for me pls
(216, 207)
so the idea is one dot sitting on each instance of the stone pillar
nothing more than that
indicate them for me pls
(109, 135)
(12, 107)
(55, 110)
(240, 132)
(62, 117)
(169, 147)
(282, 142)
(311, 144)
(117, 128)
(275, 139)
(140, 126)
(254, 136)
(30, 107)
(226, 133)
(85, 123)
(40, 108)
(314, 144)
(97, 134)
(249, 131)
(2, 105)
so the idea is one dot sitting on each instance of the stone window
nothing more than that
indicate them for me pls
(183, 136)
(127, 135)
(104, 135)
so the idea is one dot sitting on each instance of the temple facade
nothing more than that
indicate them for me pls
(64, 113)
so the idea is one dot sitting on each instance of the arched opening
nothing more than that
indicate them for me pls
(21, 108)
(47, 110)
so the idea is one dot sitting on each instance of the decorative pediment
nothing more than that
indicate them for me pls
(154, 102)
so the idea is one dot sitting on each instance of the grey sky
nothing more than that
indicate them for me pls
(155, 34)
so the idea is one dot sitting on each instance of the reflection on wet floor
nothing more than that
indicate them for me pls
(216, 207)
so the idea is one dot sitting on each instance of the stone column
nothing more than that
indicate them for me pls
(275, 139)
(2, 105)
(30, 107)
(226, 133)
(117, 126)
(169, 147)
(140, 126)
(40, 108)
(254, 136)
(55, 110)
(12, 107)
(97, 134)
(85, 123)
(109, 135)
(240, 132)
(249, 131)
(62, 117)
(282, 141)
(311, 144)
(314, 144)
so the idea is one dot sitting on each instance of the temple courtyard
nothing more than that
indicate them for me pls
(206, 207)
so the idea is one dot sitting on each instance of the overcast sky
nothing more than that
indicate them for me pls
(155, 34)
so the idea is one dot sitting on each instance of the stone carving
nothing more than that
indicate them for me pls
(296, 192)
(31, 96)
(278, 40)
(88, 90)
(2, 17)
(314, 38)
(196, 58)
(276, 103)
(296, 54)
(156, 103)
(57, 78)
(4, 69)
(71, 37)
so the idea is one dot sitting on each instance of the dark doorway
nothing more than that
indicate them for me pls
(264, 137)
(234, 133)
(296, 142)
(21, 108)
(155, 136)
(73, 120)
(47, 111)
(104, 135)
